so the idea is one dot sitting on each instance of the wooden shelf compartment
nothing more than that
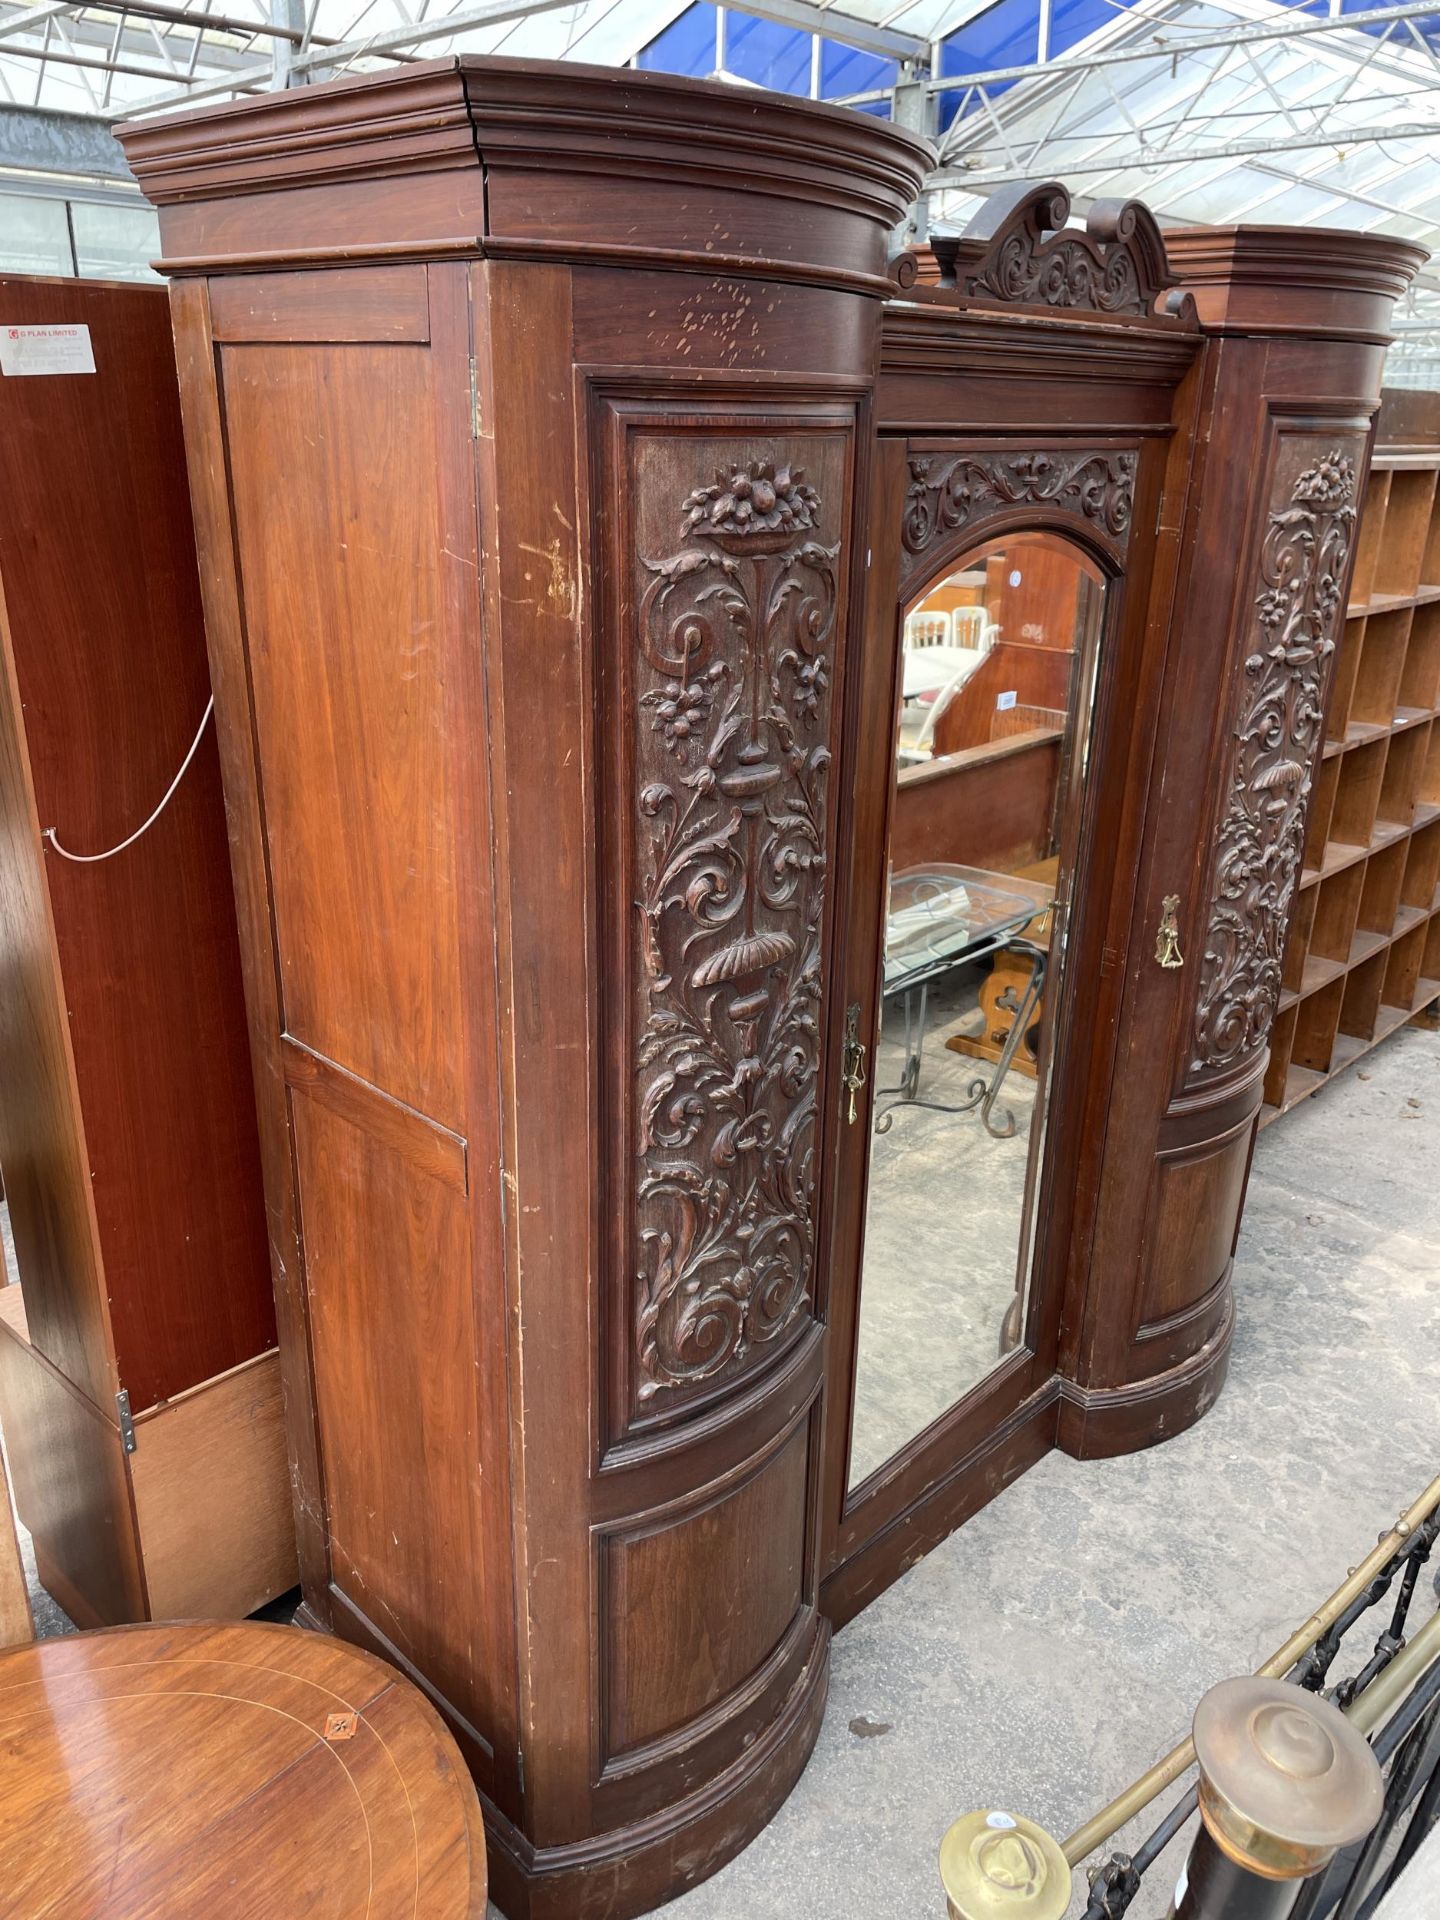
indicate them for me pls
(1322, 807)
(1381, 891)
(1365, 943)
(1430, 565)
(1360, 1007)
(1400, 785)
(1342, 679)
(1403, 968)
(1317, 1019)
(1361, 774)
(1401, 459)
(1335, 856)
(1300, 1083)
(1427, 592)
(1282, 1039)
(1318, 972)
(1404, 537)
(1428, 793)
(1337, 908)
(1383, 648)
(1422, 869)
(1346, 1051)
(1428, 989)
(1420, 681)
(1297, 942)
(1372, 529)
(1407, 918)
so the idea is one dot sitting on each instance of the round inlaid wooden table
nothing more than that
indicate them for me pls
(228, 1771)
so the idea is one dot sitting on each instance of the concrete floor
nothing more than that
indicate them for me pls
(942, 1230)
(1056, 1645)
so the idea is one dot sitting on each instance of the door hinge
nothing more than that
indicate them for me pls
(127, 1424)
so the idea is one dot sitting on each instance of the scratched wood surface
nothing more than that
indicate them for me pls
(246, 1770)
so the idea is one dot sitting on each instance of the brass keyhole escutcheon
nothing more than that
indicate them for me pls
(852, 1064)
(1167, 939)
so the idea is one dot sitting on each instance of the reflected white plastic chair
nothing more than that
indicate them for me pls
(972, 628)
(924, 629)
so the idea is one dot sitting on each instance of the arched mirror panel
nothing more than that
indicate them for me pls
(999, 657)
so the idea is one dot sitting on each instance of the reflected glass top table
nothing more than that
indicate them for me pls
(941, 917)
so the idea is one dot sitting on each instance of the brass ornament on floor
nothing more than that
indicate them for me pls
(997, 1864)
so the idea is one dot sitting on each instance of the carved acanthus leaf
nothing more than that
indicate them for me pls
(1303, 567)
(948, 491)
(731, 746)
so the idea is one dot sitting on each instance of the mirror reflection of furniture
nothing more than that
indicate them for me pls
(1010, 990)
(996, 819)
(940, 919)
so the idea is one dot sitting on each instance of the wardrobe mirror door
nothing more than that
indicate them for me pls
(991, 739)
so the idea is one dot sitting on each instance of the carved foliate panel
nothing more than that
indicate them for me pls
(948, 491)
(1297, 603)
(736, 568)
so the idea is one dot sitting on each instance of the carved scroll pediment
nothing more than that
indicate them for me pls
(1018, 250)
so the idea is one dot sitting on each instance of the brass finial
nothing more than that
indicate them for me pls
(1000, 1866)
(1285, 1780)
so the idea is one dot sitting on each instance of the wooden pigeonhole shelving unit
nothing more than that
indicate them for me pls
(1363, 954)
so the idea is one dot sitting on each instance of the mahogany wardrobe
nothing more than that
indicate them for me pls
(765, 782)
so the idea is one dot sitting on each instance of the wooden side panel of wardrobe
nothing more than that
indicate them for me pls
(386, 1255)
(336, 517)
(343, 402)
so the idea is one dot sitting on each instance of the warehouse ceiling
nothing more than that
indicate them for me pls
(1325, 113)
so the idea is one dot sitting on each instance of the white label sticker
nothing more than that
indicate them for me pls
(1001, 1820)
(45, 350)
(1004, 701)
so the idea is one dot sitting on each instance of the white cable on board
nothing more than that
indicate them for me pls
(86, 859)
